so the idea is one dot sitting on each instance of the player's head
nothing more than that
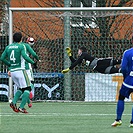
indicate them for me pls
(30, 40)
(17, 37)
(81, 50)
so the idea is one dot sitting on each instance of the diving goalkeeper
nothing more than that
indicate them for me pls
(101, 65)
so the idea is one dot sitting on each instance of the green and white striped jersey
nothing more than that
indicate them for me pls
(32, 52)
(15, 56)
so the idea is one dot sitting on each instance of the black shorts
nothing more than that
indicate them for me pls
(27, 88)
(102, 64)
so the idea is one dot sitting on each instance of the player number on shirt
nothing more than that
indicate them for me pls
(12, 57)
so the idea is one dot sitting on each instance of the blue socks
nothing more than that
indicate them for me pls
(120, 109)
(132, 116)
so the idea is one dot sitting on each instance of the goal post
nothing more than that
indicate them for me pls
(67, 43)
(105, 31)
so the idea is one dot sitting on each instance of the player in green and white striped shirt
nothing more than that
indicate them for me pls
(28, 67)
(16, 55)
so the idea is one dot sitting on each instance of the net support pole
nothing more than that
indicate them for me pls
(67, 42)
(10, 41)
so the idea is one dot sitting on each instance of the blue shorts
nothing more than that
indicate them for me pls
(125, 91)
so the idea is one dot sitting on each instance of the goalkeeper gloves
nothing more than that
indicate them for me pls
(69, 51)
(65, 70)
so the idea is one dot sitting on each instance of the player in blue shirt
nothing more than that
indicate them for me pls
(127, 86)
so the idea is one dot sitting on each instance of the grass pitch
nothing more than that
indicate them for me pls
(64, 117)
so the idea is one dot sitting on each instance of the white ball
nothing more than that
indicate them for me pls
(30, 40)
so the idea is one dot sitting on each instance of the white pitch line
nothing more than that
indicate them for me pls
(56, 114)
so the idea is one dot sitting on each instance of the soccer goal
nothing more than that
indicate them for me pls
(106, 32)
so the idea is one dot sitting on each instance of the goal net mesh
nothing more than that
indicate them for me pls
(104, 33)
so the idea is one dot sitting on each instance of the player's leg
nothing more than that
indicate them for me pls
(18, 93)
(29, 101)
(120, 107)
(30, 75)
(17, 96)
(109, 61)
(107, 69)
(112, 69)
(103, 66)
(25, 84)
(25, 97)
(119, 111)
(131, 122)
(124, 92)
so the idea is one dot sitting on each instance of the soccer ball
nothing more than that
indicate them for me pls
(30, 40)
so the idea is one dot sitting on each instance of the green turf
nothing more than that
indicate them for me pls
(64, 117)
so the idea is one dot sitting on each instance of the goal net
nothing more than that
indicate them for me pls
(106, 32)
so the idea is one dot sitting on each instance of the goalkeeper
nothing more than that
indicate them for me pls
(101, 65)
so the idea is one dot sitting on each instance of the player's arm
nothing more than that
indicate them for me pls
(24, 55)
(32, 52)
(78, 61)
(3, 58)
(124, 65)
(72, 59)
(69, 53)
